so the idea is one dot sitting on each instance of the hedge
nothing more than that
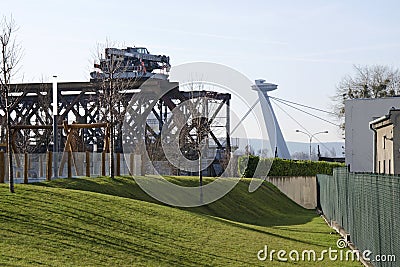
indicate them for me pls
(283, 167)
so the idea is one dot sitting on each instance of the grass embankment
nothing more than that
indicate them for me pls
(113, 223)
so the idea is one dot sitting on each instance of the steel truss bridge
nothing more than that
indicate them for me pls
(81, 103)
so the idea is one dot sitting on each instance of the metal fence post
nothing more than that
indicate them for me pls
(26, 167)
(2, 167)
(87, 163)
(49, 166)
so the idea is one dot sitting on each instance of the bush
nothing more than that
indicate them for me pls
(251, 162)
(283, 167)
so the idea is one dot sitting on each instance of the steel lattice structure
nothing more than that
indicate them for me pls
(80, 102)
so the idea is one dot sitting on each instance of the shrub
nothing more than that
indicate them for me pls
(251, 162)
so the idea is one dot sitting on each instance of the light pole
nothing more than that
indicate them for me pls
(55, 127)
(310, 136)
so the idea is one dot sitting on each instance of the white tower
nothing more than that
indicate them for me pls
(274, 131)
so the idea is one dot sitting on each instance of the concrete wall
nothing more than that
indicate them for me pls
(157, 168)
(359, 143)
(302, 190)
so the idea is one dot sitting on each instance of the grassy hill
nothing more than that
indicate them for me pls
(104, 222)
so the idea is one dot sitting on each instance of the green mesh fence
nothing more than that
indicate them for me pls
(367, 206)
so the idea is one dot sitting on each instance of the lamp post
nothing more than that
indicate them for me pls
(310, 136)
(55, 133)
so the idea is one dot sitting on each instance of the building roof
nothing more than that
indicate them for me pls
(384, 120)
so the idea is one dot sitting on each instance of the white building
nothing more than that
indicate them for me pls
(359, 143)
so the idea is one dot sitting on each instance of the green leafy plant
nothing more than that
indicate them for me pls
(282, 167)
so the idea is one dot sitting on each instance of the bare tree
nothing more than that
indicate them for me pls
(199, 128)
(44, 137)
(367, 82)
(331, 152)
(249, 150)
(112, 85)
(10, 57)
(299, 155)
(200, 124)
(263, 153)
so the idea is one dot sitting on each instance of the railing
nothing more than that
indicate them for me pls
(367, 206)
(39, 167)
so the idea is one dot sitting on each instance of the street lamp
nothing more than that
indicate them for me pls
(55, 133)
(310, 136)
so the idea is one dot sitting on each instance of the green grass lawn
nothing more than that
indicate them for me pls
(104, 222)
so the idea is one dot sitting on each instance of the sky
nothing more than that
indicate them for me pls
(305, 47)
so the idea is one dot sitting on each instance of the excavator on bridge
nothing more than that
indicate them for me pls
(131, 63)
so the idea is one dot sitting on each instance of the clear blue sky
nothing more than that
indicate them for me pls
(303, 46)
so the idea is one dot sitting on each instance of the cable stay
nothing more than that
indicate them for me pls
(293, 105)
(302, 105)
(300, 125)
(313, 115)
(244, 117)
